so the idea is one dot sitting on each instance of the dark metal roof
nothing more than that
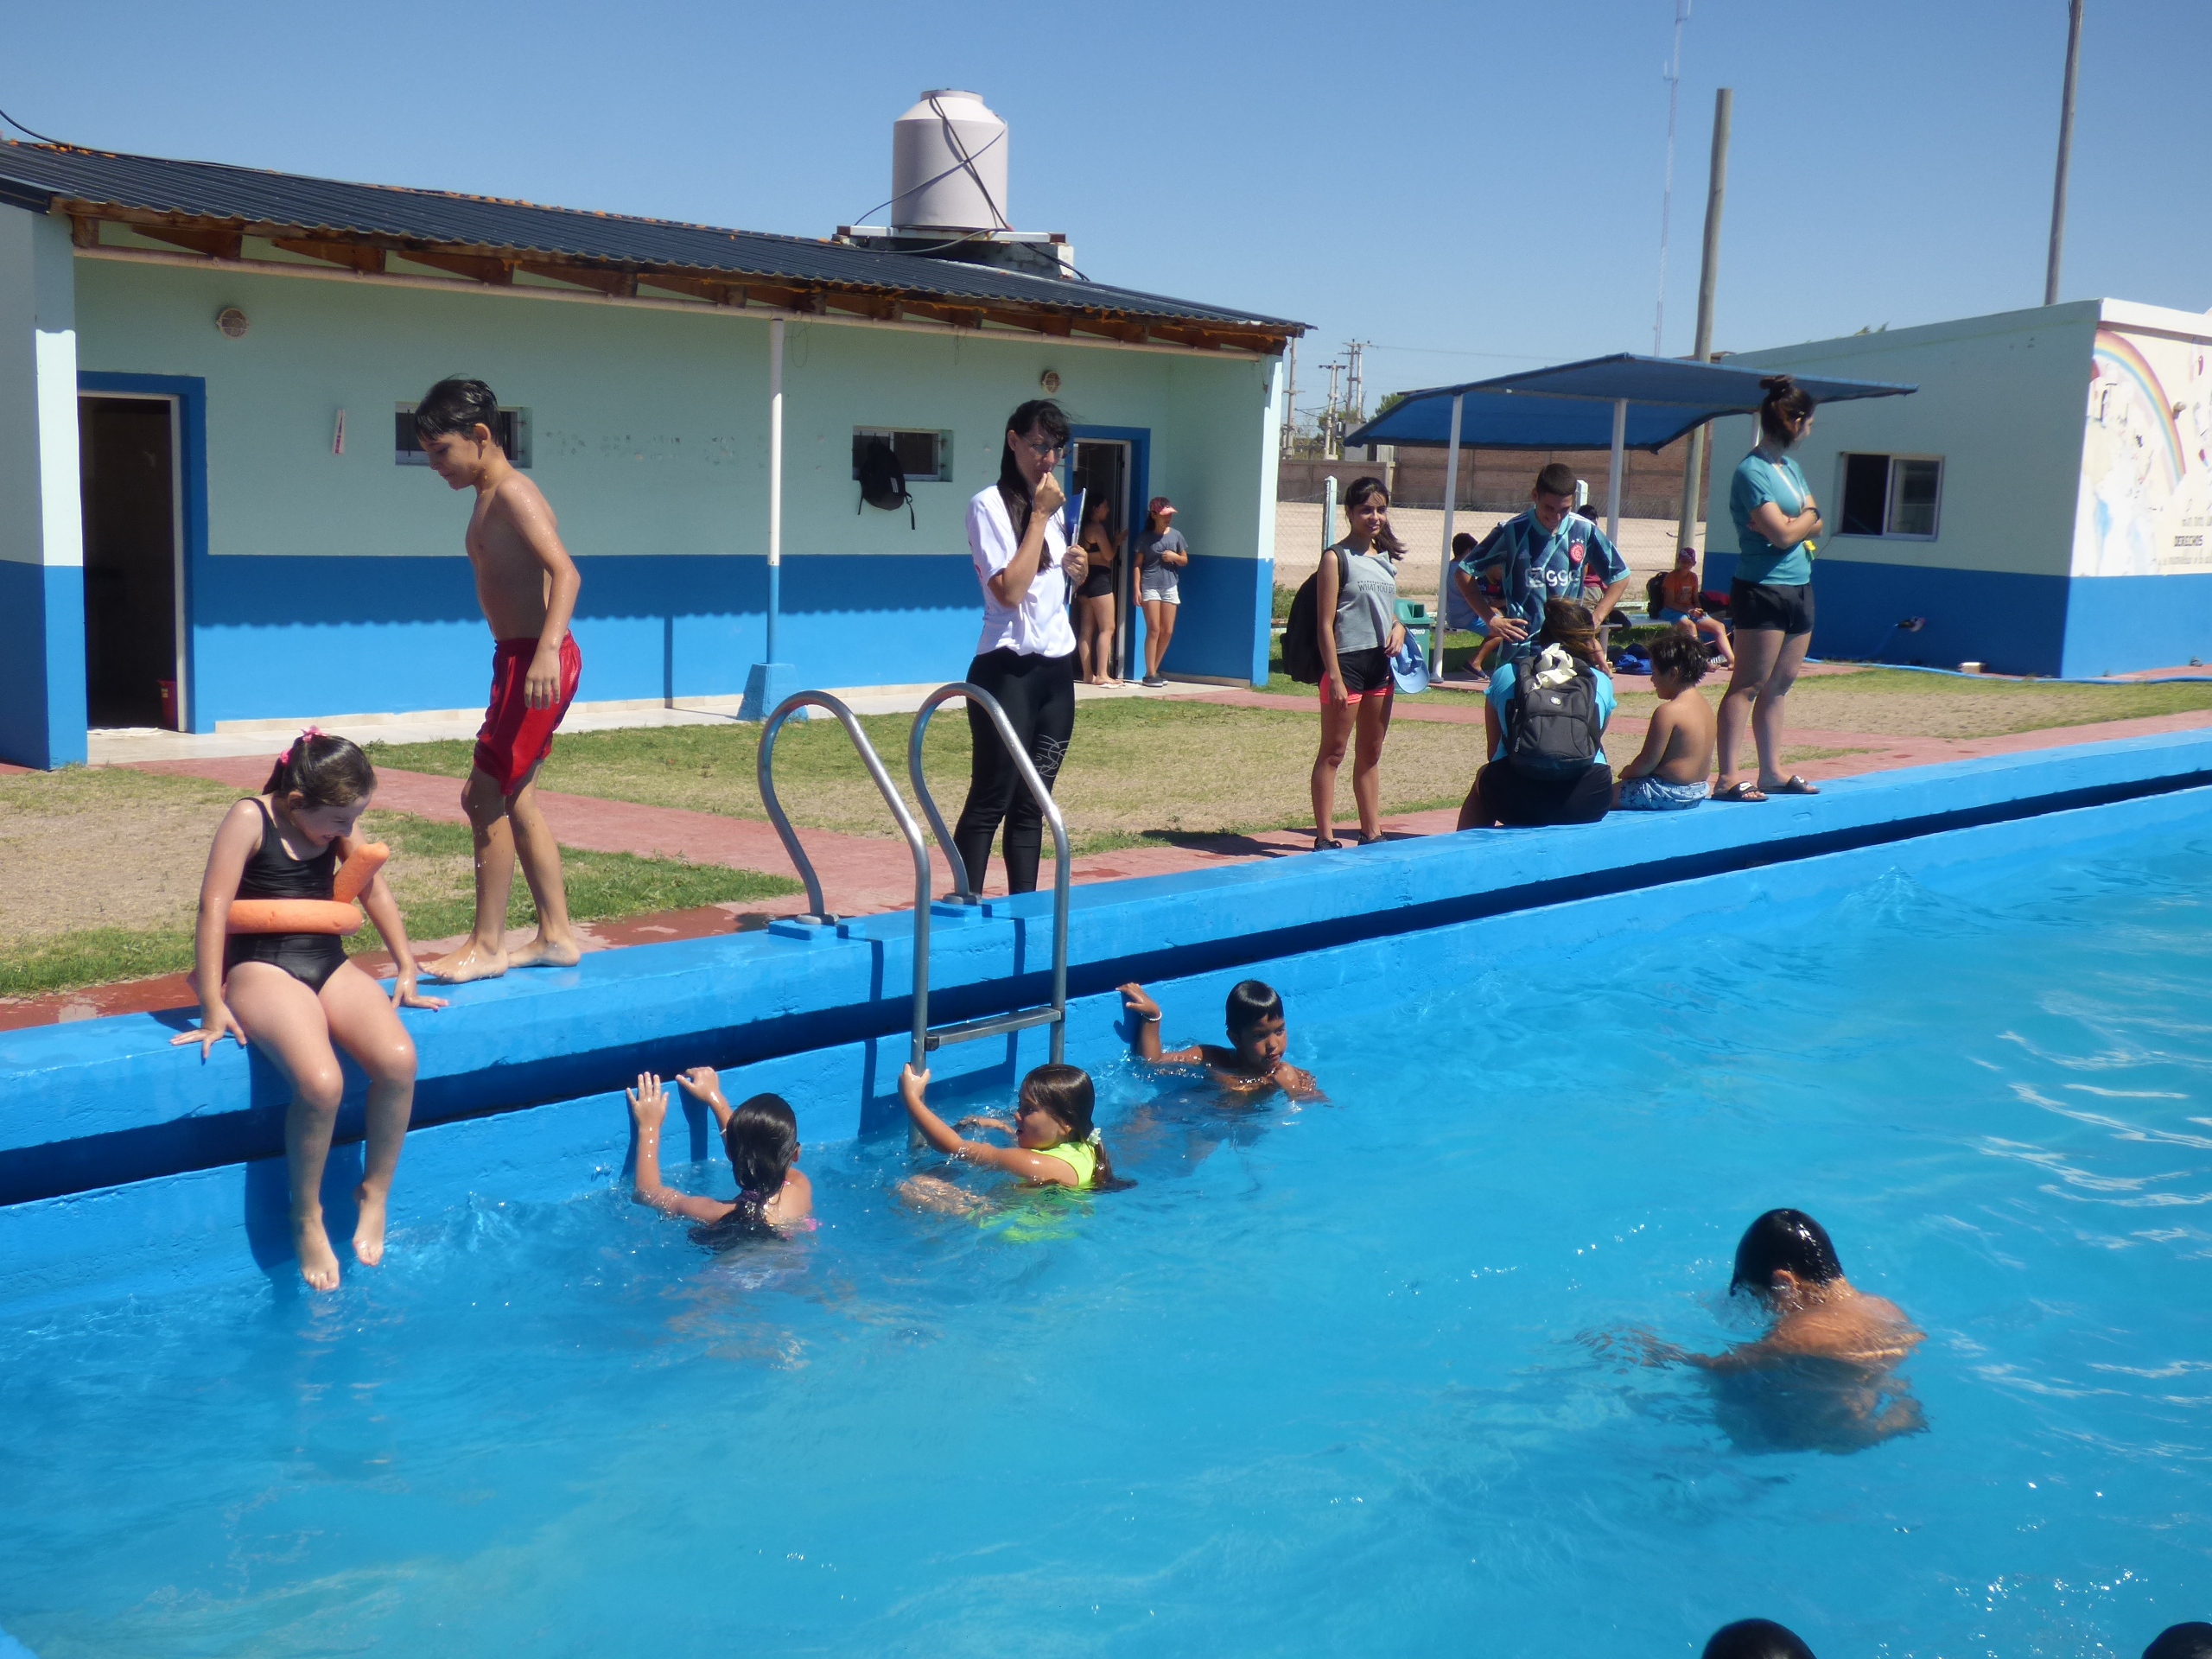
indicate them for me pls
(1570, 405)
(43, 177)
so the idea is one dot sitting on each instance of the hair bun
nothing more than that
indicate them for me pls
(1778, 383)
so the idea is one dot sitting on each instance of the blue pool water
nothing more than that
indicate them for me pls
(1337, 1380)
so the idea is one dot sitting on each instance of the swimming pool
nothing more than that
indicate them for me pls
(1322, 1382)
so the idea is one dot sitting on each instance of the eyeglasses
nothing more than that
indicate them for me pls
(1044, 449)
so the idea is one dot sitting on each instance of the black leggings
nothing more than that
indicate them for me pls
(1037, 694)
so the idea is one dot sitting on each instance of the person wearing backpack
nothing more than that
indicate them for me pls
(1546, 724)
(1355, 627)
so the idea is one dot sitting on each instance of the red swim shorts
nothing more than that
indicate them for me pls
(514, 736)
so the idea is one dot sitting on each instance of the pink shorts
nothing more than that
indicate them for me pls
(514, 736)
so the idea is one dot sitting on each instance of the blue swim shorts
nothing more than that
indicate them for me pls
(1649, 795)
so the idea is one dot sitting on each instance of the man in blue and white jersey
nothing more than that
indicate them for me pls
(1548, 552)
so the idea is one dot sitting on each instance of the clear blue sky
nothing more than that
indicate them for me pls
(1472, 186)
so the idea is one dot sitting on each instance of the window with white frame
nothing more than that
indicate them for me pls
(512, 432)
(1895, 496)
(924, 457)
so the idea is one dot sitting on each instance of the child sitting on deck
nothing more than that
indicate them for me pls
(761, 1137)
(1055, 1143)
(1673, 768)
(1252, 1061)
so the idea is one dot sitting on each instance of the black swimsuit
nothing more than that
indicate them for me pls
(271, 872)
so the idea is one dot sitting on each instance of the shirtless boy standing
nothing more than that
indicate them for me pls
(1675, 767)
(527, 584)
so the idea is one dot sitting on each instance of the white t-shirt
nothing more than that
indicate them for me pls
(1039, 625)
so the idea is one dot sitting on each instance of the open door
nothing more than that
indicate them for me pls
(128, 482)
(1101, 469)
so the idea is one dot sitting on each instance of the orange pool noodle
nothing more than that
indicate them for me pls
(355, 875)
(293, 916)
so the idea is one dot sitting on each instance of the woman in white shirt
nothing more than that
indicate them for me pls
(1027, 656)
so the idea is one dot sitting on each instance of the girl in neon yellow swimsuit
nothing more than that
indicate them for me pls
(1054, 1141)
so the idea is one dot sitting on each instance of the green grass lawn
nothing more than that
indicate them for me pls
(124, 850)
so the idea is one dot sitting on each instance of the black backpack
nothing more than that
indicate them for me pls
(1552, 731)
(883, 481)
(1301, 632)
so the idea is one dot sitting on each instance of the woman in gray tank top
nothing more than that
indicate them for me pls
(1357, 619)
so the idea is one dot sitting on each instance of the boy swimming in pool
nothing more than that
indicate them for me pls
(1252, 1061)
(527, 585)
(761, 1140)
(1055, 1143)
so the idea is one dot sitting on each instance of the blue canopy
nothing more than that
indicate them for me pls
(1570, 405)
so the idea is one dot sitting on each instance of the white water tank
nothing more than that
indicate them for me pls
(948, 166)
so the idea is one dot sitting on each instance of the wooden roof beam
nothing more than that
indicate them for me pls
(1129, 333)
(863, 305)
(364, 257)
(216, 242)
(618, 285)
(958, 317)
(478, 267)
(697, 287)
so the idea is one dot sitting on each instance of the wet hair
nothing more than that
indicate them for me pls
(1787, 402)
(1568, 625)
(761, 1140)
(1462, 544)
(1556, 478)
(1038, 414)
(457, 404)
(1067, 1093)
(323, 771)
(1683, 659)
(1366, 489)
(1756, 1638)
(1251, 1001)
(2190, 1641)
(1780, 1239)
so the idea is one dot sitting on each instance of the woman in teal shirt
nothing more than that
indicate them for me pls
(1770, 600)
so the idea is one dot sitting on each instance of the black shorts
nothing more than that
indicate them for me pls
(1758, 605)
(1099, 584)
(1365, 671)
(1514, 798)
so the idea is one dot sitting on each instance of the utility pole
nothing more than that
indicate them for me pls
(1724, 108)
(2065, 154)
(1290, 394)
(1673, 76)
(1330, 420)
(1355, 388)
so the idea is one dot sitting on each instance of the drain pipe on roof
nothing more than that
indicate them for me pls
(770, 682)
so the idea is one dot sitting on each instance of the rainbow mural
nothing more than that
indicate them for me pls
(2118, 356)
(2146, 486)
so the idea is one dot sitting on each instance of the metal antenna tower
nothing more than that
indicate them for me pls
(1672, 74)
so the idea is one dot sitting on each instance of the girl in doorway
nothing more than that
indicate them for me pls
(1770, 600)
(1055, 1143)
(1026, 657)
(1356, 620)
(1094, 600)
(1161, 554)
(296, 995)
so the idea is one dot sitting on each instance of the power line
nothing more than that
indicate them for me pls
(19, 127)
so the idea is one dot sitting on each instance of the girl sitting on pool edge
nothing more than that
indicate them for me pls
(1252, 1061)
(760, 1137)
(1055, 1142)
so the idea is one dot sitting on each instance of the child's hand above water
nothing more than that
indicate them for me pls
(1137, 1004)
(648, 1102)
(913, 1086)
(701, 1083)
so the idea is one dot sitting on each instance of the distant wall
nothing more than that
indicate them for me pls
(1498, 480)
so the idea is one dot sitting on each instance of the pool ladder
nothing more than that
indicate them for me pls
(926, 1036)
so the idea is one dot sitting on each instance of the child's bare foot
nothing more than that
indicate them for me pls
(318, 1261)
(542, 952)
(471, 962)
(933, 1192)
(368, 1233)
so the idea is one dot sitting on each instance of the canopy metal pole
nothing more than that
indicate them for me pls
(1613, 474)
(775, 478)
(1444, 559)
(2065, 155)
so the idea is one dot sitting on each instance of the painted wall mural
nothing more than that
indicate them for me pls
(2146, 502)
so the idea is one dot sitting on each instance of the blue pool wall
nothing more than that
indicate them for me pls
(128, 1162)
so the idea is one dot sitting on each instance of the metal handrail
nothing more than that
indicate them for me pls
(818, 910)
(989, 704)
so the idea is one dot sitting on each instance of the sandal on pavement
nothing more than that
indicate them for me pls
(1739, 792)
(1796, 785)
(1328, 846)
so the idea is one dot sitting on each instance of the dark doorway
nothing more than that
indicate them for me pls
(126, 448)
(1100, 470)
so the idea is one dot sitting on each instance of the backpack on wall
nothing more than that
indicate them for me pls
(883, 481)
(1552, 731)
(1301, 631)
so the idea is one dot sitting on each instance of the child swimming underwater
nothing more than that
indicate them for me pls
(1055, 1142)
(761, 1137)
(1253, 1061)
